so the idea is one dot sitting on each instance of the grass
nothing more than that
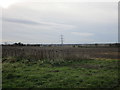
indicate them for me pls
(65, 74)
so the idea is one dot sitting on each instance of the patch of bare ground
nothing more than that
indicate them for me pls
(55, 71)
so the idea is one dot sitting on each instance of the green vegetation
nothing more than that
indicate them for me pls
(61, 74)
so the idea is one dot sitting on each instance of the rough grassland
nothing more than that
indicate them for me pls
(78, 74)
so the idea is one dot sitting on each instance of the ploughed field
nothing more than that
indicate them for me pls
(60, 67)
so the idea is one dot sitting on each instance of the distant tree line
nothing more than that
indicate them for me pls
(73, 45)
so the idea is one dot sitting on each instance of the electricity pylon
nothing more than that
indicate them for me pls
(61, 39)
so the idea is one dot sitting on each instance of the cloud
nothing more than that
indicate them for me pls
(82, 34)
(44, 22)
(41, 23)
(21, 21)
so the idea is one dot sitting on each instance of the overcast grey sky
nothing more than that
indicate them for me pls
(79, 22)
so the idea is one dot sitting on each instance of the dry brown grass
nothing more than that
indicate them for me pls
(58, 53)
